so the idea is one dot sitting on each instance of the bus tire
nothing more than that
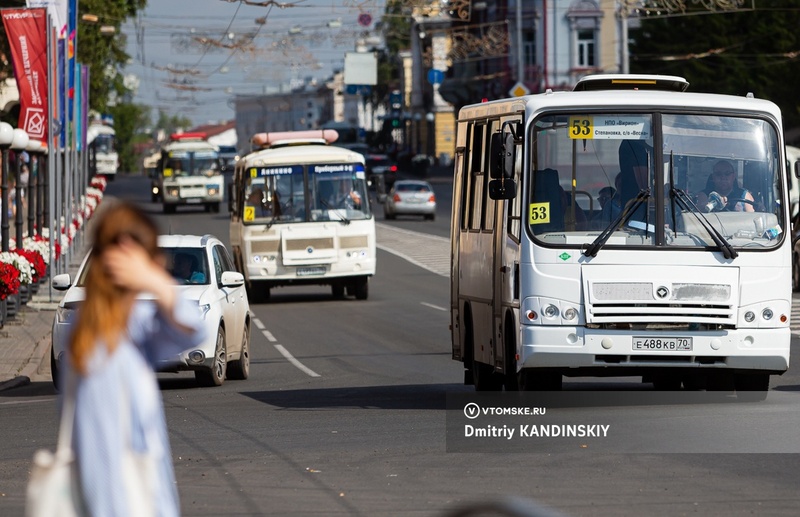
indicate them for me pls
(483, 376)
(361, 288)
(751, 387)
(337, 290)
(213, 207)
(169, 209)
(511, 380)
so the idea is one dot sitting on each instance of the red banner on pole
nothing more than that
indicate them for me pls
(27, 36)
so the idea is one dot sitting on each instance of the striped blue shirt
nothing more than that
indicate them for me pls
(126, 380)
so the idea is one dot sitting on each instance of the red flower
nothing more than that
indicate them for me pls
(36, 260)
(9, 280)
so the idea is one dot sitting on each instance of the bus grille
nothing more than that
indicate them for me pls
(265, 246)
(302, 244)
(643, 302)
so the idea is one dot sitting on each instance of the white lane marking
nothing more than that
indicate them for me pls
(289, 357)
(269, 336)
(18, 402)
(259, 324)
(433, 306)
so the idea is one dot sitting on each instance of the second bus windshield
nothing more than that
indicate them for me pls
(298, 193)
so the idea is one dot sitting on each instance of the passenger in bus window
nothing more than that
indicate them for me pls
(610, 204)
(723, 192)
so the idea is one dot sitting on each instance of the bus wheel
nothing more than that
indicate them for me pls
(361, 288)
(511, 380)
(169, 209)
(337, 289)
(214, 207)
(484, 377)
(752, 387)
(538, 379)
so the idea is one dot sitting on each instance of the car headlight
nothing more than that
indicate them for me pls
(64, 315)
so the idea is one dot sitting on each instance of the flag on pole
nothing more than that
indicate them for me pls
(27, 36)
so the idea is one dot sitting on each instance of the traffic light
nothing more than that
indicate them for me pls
(395, 122)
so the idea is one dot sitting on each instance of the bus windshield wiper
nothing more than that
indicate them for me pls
(342, 218)
(622, 218)
(685, 202)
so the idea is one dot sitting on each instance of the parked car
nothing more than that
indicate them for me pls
(211, 281)
(410, 197)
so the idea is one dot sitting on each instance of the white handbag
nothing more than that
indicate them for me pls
(53, 486)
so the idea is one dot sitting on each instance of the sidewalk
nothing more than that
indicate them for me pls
(25, 340)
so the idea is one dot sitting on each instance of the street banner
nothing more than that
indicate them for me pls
(62, 91)
(27, 37)
(84, 106)
(57, 10)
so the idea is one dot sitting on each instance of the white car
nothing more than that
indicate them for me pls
(410, 197)
(211, 282)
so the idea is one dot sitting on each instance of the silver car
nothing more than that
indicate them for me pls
(410, 197)
(206, 276)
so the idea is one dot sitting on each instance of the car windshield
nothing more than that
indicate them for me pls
(187, 265)
(412, 187)
(655, 179)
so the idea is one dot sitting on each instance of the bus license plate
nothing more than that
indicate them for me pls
(662, 344)
(310, 271)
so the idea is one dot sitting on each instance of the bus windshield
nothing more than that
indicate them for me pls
(104, 143)
(716, 180)
(335, 192)
(188, 163)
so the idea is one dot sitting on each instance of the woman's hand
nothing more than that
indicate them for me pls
(130, 267)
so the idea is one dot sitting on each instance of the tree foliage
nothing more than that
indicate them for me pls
(732, 53)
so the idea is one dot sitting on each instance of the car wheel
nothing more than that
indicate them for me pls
(240, 370)
(54, 373)
(215, 375)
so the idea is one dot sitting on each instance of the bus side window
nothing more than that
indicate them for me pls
(547, 195)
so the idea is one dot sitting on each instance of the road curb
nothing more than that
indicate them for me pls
(16, 382)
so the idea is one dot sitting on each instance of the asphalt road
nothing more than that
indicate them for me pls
(365, 435)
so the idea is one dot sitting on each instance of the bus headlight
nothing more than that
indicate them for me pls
(212, 191)
(749, 316)
(173, 192)
(767, 314)
(550, 311)
(570, 314)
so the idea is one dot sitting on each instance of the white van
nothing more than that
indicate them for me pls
(793, 168)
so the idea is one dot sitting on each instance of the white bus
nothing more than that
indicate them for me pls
(102, 142)
(189, 173)
(300, 214)
(686, 284)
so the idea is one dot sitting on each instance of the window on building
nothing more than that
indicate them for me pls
(586, 49)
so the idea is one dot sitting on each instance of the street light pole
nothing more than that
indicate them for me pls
(19, 143)
(6, 137)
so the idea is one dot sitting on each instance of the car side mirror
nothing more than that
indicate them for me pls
(61, 282)
(232, 279)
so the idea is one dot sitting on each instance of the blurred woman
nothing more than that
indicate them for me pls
(115, 344)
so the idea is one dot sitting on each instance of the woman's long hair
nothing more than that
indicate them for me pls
(104, 313)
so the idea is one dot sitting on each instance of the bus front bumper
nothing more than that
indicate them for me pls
(578, 347)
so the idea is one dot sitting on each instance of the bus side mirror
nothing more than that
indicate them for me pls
(503, 152)
(502, 189)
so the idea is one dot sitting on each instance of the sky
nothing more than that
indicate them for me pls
(191, 57)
